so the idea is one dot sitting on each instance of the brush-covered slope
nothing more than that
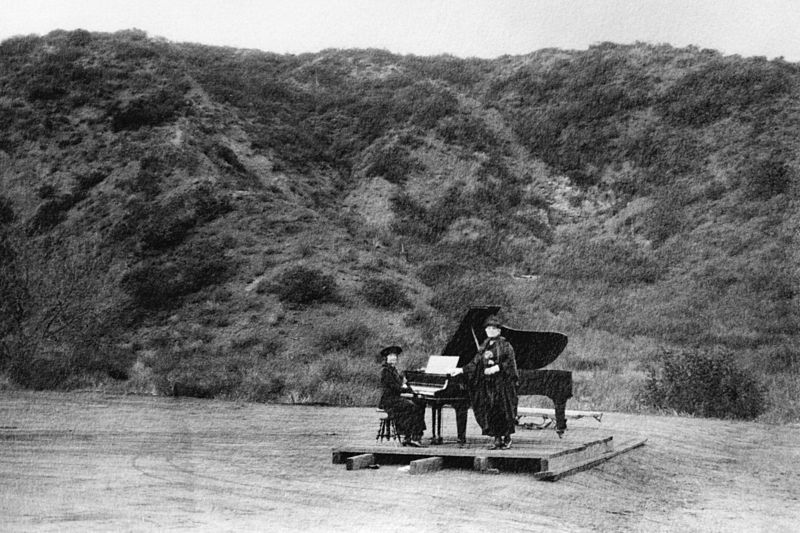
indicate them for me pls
(211, 221)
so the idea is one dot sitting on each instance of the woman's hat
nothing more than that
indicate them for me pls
(391, 350)
(491, 321)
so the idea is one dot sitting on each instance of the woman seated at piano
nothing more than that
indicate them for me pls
(408, 414)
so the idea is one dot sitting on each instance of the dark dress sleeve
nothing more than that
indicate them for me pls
(471, 368)
(508, 362)
(391, 382)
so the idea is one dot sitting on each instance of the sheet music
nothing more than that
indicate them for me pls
(441, 364)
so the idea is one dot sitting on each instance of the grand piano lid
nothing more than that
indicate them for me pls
(533, 349)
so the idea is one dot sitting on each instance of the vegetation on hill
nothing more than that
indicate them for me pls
(186, 219)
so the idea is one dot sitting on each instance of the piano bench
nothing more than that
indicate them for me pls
(387, 428)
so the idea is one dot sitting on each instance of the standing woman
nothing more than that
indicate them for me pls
(407, 414)
(493, 379)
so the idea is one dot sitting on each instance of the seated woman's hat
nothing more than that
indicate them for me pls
(391, 350)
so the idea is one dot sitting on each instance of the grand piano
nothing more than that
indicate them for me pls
(533, 349)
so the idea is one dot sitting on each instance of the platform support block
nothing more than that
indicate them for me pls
(357, 462)
(484, 465)
(429, 464)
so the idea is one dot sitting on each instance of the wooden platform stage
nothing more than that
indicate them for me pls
(547, 460)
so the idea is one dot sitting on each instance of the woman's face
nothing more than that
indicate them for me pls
(391, 359)
(492, 331)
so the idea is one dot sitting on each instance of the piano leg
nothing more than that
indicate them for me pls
(461, 421)
(561, 417)
(436, 424)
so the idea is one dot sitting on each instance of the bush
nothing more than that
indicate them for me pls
(7, 215)
(51, 212)
(351, 336)
(615, 261)
(44, 372)
(159, 282)
(436, 272)
(719, 88)
(468, 131)
(201, 375)
(301, 285)
(392, 160)
(263, 391)
(703, 383)
(154, 110)
(385, 293)
(452, 298)
(762, 179)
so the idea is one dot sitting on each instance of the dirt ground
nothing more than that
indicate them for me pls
(93, 462)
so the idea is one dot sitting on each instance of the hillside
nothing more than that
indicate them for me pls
(206, 221)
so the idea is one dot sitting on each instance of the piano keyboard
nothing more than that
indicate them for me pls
(425, 390)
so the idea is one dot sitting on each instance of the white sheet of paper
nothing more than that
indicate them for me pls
(441, 364)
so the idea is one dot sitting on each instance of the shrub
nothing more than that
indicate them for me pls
(154, 110)
(301, 285)
(204, 376)
(393, 161)
(615, 261)
(781, 358)
(19, 46)
(165, 227)
(159, 282)
(51, 212)
(468, 131)
(352, 335)
(263, 391)
(385, 293)
(7, 215)
(764, 178)
(436, 272)
(453, 297)
(44, 372)
(703, 383)
(708, 94)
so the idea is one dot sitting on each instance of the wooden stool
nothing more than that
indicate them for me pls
(387, 429)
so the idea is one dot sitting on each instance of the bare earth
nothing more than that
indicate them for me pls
(92, 462)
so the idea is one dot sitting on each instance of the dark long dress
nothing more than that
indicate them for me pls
(494, 398)
(408, 414)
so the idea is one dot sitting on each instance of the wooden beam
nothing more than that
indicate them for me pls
(358, 462)
(574, 468)
(551, 413)
(429, 464)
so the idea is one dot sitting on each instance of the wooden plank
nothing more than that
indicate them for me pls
(519, 450)
(562, 460)
(358, 462)
(555, 475)
(429, 464)
(605, 442)
(551, 413)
